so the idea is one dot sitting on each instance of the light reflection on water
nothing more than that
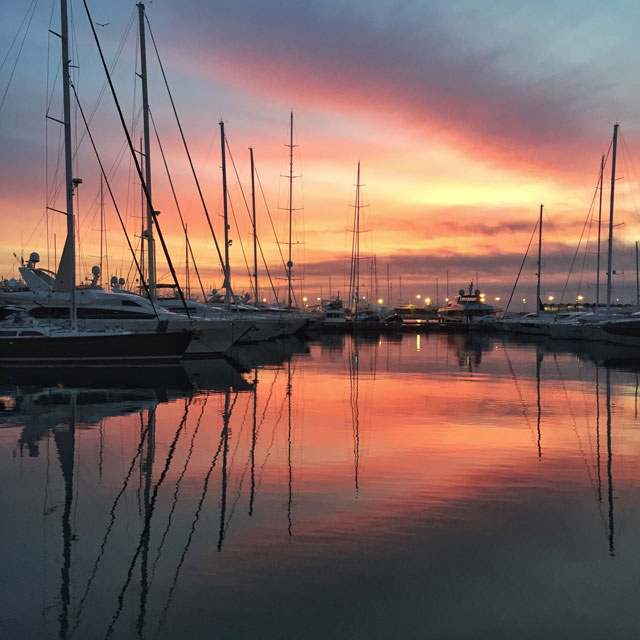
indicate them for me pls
(415, 486)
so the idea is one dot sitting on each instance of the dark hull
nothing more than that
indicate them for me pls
(95, 350)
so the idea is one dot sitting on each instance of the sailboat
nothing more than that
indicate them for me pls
(48, 344)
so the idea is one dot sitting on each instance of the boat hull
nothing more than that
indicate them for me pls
(94, 349)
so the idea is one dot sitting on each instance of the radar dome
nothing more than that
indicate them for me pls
(461, 292)
(95, 270)
(34, 257)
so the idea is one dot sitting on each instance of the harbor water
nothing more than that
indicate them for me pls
(416, 486)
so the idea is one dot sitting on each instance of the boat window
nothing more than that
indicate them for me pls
(30, 333)
(8, 334)
(130, 303)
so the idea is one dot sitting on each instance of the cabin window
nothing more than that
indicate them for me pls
(130, 303)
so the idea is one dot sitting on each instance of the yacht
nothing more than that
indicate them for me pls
(118, 310)
(466, 307)
(335, 315)
(409, 315)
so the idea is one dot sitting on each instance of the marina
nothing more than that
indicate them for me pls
(319, 323)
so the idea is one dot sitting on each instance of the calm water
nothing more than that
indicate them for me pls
(424, 487)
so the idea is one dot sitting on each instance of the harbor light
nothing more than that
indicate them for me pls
(497, 299)
(318, 299)
(427, 300)
(580, 298)
(380, 300)
(418, 297)
(264, 299)
(550, 298)
(305, 299)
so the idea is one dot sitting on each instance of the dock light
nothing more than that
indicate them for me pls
(418, 297)
(305, 299)
(427, 300)
(550, 298)
(497, 299)
(380, 300)
(446, 299)
(580, 297)
(318, 299)
(524, 301)
(264, 299)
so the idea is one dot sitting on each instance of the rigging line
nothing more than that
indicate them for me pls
(264, 260)
(58, 181)
(257, 433)
(630, 169)
(276, 423)
(186, 147)
(242, 476)
(246, 204)
(15, 37)
(175, 198)
(15, 64)
(244, 255)
(177, 489)
(137, 164)
(575, 429)
(525, 411)
(144, 535)
(520, 271)
(275, 234)
(112, 521)
(203, 495)
(113, 200)
(575, 255)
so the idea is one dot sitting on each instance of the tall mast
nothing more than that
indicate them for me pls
(227, 271)
(599, 230)
(637, 277)
(187, 280)
(289, 261)
(613, 184)
(539, 261)
(255, 233)
(69, 251)
(356, 266)
(151, 254)
(101, 226)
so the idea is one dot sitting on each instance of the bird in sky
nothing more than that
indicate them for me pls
(100, 24)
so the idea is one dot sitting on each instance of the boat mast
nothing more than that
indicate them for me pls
(599, 230)
(613, 184)
(255, 233)
(637, 277)
(148, 233)
(539, 261)
(69, 251)
(227, 271)
(356, 257)
(187, 279)
(101, 225)
(289, 261)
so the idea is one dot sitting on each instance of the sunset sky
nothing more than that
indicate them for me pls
(465, 116)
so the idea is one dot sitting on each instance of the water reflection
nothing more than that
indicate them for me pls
(310, 475)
